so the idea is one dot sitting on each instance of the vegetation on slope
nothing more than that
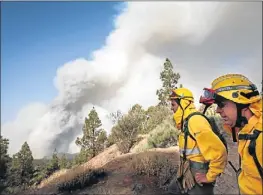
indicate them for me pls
(21, 171)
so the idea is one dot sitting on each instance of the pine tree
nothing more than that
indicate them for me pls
(101, 140)
(63, 162)
(53, 164)
(4, 157)
(22, 168)
(69, 164)
(5, 161)
(26, 159)
(91, 132)
(82, 157)
(169, 79)
(15, 172)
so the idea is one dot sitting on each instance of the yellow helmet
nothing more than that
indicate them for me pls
(184, 98)
(237, 88)
(182, 93)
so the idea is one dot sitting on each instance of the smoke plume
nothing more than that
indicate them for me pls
(202, 39)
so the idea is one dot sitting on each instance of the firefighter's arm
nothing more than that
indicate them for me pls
(259, 148)
(211, 147)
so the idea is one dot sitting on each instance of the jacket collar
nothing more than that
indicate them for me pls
(250, 125)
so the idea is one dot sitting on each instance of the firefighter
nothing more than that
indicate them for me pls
(203, 155)
(240, 106)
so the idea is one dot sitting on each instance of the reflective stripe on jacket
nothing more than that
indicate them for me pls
(191, 151)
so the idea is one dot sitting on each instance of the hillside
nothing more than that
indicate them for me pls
(134, 173)
(134, 163)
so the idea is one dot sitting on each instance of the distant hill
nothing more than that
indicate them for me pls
(43, 161)
(68, 156)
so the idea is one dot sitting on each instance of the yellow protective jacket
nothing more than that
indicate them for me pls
(249, 180)
(207, 147)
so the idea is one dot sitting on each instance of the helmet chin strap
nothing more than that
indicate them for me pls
(241, 120)
(183, 112)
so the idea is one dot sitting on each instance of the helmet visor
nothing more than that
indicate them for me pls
(210, 97)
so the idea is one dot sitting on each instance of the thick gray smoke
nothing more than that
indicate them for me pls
(202, 39)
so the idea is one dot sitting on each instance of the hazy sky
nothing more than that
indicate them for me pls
(61, 58)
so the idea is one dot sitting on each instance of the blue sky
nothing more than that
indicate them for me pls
(37, 38)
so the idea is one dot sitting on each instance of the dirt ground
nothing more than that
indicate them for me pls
(227, 182)
(121, 181)
(121, 178)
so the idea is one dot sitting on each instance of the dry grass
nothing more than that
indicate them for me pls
(141, 146)
(80, 180)
(153, 164)
(159, 166)
(97, 162)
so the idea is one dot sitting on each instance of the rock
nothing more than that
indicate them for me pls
(137, 188)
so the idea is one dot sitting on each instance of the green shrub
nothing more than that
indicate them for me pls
(126, 130)
(156, 115)
(165, 135)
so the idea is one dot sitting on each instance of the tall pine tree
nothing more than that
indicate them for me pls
(4, 157)
(63, 162)
(22, 168)
(4, 163)
(91, 131)
(53, 164)
(15, 172)
(26, 160)
(169, 79)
